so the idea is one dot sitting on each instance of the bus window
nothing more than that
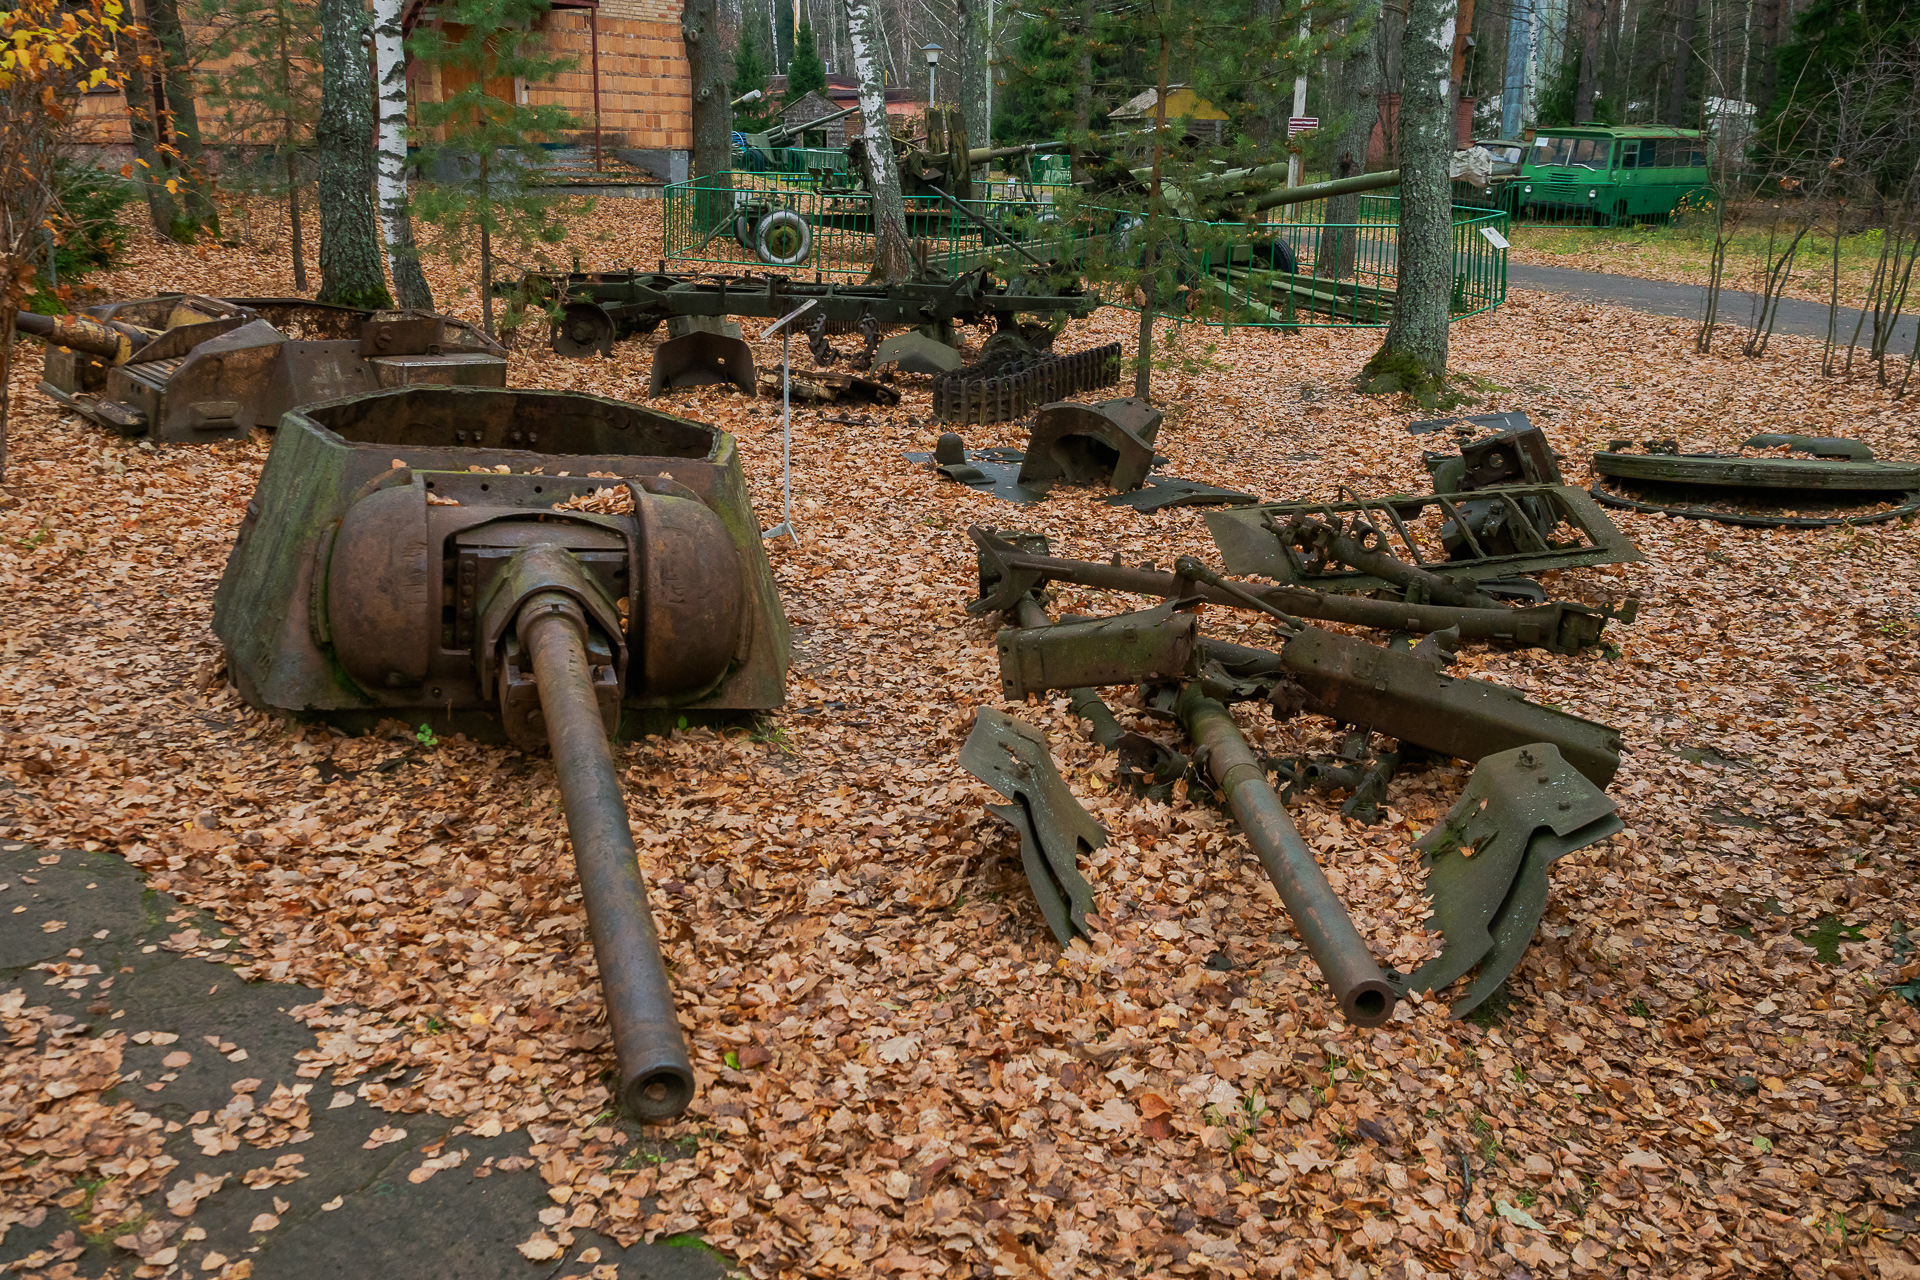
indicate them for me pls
(1629, 153)
(1586, 153)
(1697, 158)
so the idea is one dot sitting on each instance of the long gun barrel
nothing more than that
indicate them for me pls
(778, 135)
(1273, 199)
(1335, 945)
(112, 342)
(980, 155)
(656, 1079)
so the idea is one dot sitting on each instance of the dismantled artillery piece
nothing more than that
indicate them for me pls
(1013, 564)
(599, 308)
(1834, 482)
(1499, 510)
(444, 553)
(1108, 442)
(1535, 794)
(179, 367)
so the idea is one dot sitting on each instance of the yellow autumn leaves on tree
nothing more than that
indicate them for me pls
(53, 47)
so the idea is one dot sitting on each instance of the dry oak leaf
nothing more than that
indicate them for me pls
(382, 1136)
(538, 1248)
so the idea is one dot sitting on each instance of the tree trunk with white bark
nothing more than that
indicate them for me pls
(1413, 358)
(892, 252)
(396, 225)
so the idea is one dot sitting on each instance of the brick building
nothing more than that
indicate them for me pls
(630, 83)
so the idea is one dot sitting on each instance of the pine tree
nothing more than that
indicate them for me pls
(806, 73)
(270, 96)
(485, 160)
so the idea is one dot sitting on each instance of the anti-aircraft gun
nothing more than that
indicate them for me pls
(551, 564)
(756, 149)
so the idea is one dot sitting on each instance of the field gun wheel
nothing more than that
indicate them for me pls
(582, 329)
(783, 239)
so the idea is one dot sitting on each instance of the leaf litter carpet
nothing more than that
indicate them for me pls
(1703, 1067)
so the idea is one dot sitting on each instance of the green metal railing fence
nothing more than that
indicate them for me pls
(718, 223)
(1294, 270)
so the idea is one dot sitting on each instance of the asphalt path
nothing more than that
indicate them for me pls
(357, 1202)
(1663, 298)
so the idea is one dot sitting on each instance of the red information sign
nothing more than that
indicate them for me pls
(1301, 124)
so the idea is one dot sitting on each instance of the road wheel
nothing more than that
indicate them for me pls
(783, 239)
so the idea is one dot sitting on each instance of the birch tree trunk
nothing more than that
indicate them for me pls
(892, 253)
(396, 225)
(350, 272)
(1413, 358)
(970, 93)
(1150, 258)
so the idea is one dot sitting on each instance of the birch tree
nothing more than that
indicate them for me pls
(350, 272)
(396, 224)
(892, 254)
(1413, 358)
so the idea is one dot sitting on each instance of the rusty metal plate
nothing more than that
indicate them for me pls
(1487, 862)
(1011, 756)
(1108, 442)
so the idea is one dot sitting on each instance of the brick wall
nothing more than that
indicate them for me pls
(646, 91)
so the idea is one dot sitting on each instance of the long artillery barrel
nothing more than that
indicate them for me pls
(111, 342)
(1359, 986)
(1264, 197)
(778, 135)
(980, 155)
(656, 1078)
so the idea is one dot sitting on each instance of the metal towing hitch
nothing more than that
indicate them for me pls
(415, 552)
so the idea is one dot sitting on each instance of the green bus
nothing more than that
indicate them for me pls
(1614, 173)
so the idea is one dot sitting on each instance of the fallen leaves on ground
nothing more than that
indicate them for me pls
(899, 1072)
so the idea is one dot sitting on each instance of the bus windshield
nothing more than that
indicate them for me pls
(1586, 153)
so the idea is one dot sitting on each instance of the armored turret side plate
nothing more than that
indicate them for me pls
(1702, 470)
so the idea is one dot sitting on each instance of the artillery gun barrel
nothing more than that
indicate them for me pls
(775, 136)
(114, 342)
(656, 1078)
(1314, 191)
(980, 155)
(1336, 946)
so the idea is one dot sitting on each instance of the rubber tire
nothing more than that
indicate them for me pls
(773, 224)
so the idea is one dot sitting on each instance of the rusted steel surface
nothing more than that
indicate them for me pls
(656, 1077)
(1011, 756)
(1328, 546)
(600, 307)
(1108, 442)
(702, 360)
(420, 552)
(192, 368)
(1154, 644)
(1766, 492)
(1487, 863)
(1359, 986)
(1483, 534)
(1008, 571)
(1006, 389)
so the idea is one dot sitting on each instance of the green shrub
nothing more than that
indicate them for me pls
(89, 233)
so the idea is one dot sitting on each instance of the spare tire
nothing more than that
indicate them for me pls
(783, 239)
